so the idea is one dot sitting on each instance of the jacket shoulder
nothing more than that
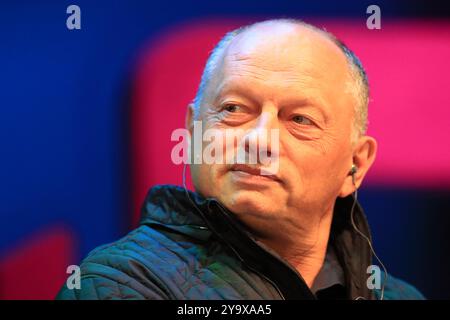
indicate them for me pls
(125, 269)
(397, 289)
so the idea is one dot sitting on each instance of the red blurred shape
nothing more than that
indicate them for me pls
(36, 269)
(409, 113)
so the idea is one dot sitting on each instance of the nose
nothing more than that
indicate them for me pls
(262, 140)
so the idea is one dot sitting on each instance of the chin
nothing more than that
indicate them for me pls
(249, 202)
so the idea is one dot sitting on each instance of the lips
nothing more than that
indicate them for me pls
(253, 171)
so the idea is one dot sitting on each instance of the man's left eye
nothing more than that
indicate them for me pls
(302, 120)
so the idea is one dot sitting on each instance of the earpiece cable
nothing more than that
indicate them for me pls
(355, 199)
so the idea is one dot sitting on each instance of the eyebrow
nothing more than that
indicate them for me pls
(304, 102)
(234, 87)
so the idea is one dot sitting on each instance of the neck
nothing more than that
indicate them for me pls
(303, 247)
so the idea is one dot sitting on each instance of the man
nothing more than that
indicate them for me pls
(251, 231)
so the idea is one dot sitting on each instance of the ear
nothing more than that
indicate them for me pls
(189, 121)
(364, 153)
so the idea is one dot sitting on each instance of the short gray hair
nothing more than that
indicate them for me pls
(359, 85)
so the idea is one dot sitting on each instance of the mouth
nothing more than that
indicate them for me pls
(245, 171)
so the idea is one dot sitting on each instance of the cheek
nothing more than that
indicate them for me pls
(207, 179)
(315, 166)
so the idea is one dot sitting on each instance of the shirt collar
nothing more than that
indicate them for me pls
(330, 274)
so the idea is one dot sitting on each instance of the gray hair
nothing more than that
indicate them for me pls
(359, 85)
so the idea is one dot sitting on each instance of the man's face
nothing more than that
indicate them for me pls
(294, 80)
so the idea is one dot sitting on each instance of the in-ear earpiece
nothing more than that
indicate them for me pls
(352, 172)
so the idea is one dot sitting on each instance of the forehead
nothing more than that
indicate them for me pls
(287, 60)
(281, 43)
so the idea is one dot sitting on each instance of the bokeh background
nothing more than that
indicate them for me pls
(86, 117)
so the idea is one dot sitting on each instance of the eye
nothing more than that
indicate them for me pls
(302, 120)
(231, 108)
